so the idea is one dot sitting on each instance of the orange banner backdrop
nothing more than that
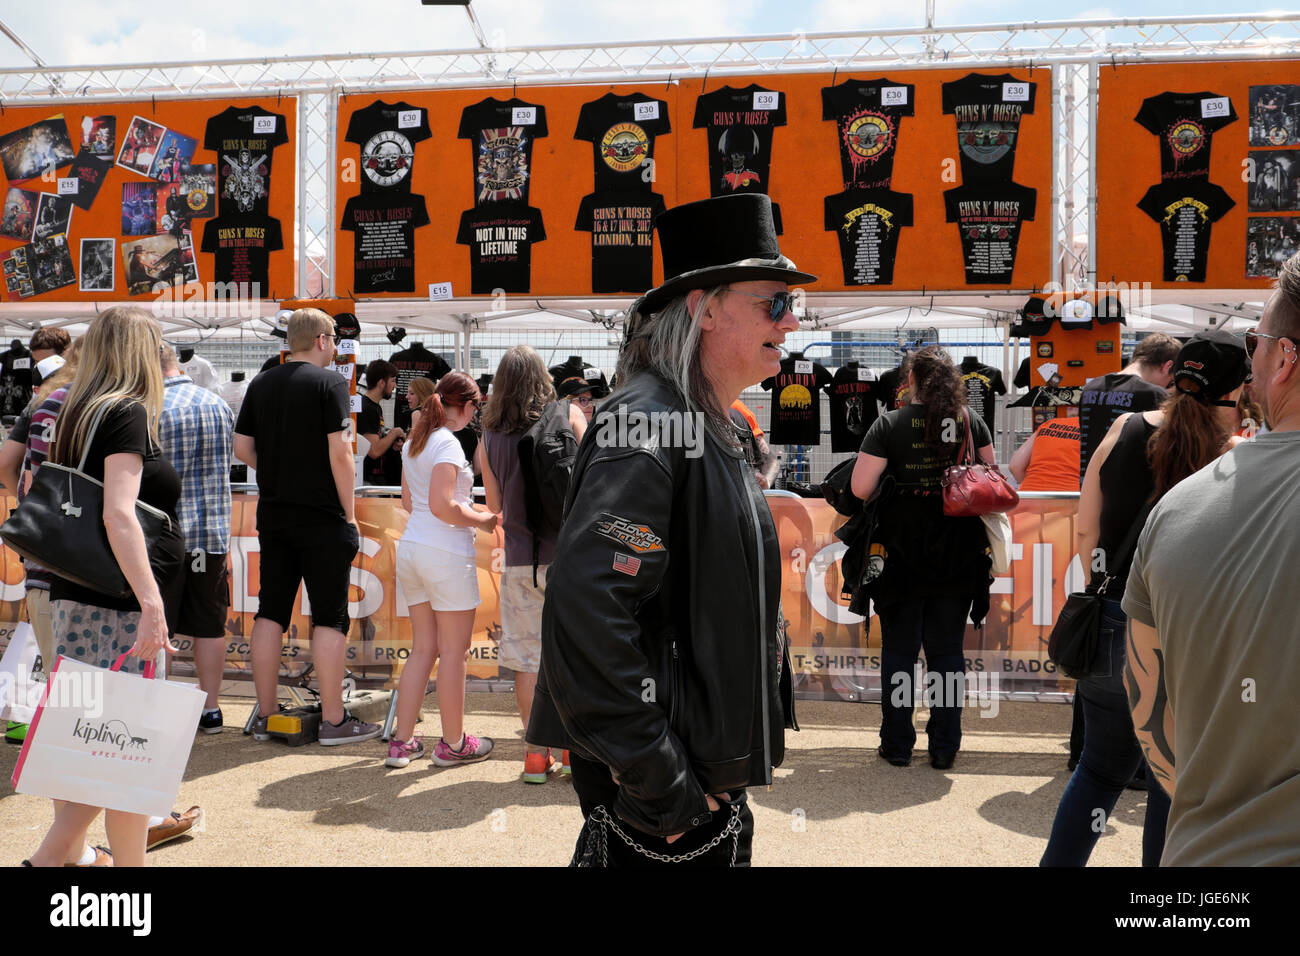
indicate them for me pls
(805, 169)
(104, 219)
(831, 654)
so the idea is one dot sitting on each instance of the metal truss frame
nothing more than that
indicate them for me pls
(1075, 49)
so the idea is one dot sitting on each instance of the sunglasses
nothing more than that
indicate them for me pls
(781, 303)
(1253, 336)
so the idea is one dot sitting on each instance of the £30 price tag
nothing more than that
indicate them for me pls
(408, 119)
(803, 368)
(864, 375)
(646, 111)
(1015, 92)
(263, 124)
(524, 116)
(893, 95)
(766, 100)
(1216, 106)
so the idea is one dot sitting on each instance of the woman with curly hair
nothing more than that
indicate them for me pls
(933, 569)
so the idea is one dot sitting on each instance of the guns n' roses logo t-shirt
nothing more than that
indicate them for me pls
(622, 131)
(244, 139)
(988, 110)
(1185, 124)
(1185, 210)
(989, 218)
(242, 246)
(383, 227)
(867, 224)
(740, 126)
(796, 405)
(502, 134)
(622, 239)
(387, 134)
(867, 115)
(854, 396)
(500, 237)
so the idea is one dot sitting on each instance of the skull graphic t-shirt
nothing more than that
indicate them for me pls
(244, 139)
(1185, 123)
(501, 133)
(622, 129)
(855, 394)
(988, 110)
(740, 125)
(796, 401)
(387, 134)
(867, 115)
(989, 217)
(1185, 210)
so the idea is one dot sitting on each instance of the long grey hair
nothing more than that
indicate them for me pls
(668, 344)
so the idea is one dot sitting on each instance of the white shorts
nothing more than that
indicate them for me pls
(521, 618)
(446, 581)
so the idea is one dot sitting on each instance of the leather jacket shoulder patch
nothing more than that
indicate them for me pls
(638, 537)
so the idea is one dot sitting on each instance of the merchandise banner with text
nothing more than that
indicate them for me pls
(831, 655)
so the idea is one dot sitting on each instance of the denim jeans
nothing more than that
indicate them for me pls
(938, 624)
(1111, 756)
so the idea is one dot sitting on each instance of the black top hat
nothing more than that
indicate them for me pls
(716, 241)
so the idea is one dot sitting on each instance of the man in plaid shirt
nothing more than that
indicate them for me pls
(196, 431)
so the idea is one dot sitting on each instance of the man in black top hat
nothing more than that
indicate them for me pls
(662, 670)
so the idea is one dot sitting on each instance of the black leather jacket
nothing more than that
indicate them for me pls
(669, 671)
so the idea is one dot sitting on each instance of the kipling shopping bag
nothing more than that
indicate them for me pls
(108, 739)
(18, 692)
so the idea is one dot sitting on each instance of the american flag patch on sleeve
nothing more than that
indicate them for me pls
(627, 564)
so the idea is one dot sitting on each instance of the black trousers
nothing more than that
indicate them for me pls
(596, 790)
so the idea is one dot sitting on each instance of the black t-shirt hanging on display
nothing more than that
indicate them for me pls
(1185, 210)
(244, 139)
(243, 247)
(890, 383)
(796, 402)
(622, 131)
(15, 379)
(740, 124)
(500, 236)
(988, 110)
(387, 134)
(412, 362)
(383, 227)
(854, 394)
(502, 134)
(89, 171)
(1185, 123)
(867, 115)
(867, 224)
(989, 217)
(576, 367)
(982, 383)
(622, 239)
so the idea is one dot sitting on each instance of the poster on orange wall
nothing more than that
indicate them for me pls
(835, 654)
(1198, 173)
(162, 201)
(935, 179)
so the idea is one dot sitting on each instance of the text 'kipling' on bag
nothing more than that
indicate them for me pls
(60, 525)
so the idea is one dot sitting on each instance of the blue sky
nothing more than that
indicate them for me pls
(124, 31)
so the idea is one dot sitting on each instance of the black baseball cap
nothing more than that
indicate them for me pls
(1211, 364)
(576, 385)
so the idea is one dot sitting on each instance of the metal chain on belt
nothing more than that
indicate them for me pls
(601, 819)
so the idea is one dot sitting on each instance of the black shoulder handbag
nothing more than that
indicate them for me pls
(60, 525)
(1075, 643)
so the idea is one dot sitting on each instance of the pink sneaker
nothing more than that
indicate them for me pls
(402, 752)
(474, 748)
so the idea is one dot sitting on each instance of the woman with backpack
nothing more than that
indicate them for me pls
(438, 573)
(521, 390)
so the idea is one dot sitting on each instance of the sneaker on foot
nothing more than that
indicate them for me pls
(402, 752)
(15, 733)
(351, 731)
(565, 769)
(538, 765)
(474, 748)
(175, 825)
(210, 722)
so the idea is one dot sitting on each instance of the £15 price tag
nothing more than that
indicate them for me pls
(1216, 106)
(355, 404)
(408, 119)
(439, 291)
(1015, 92)
(646, 111)
(69, 185)
(524, 116)
(766, 100)
(893, 96)
(803, 368)
(263, 124)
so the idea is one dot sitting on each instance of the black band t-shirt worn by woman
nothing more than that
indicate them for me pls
(124, 429)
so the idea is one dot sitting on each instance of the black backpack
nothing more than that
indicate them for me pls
(546, 454)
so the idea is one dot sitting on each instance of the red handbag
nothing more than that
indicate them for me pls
(972, 488)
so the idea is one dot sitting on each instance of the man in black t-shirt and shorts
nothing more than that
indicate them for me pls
(294, 430)
(383, 461)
